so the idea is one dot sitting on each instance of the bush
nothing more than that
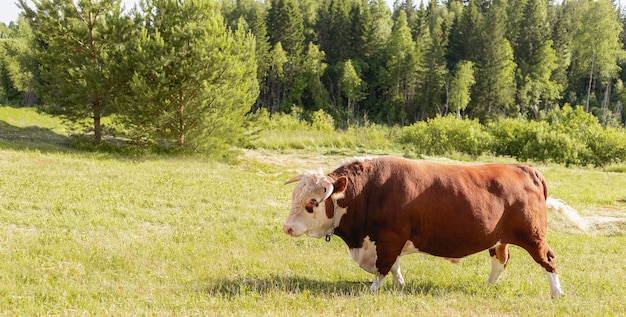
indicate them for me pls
(446, 135)
(321, 121)
(564, 136)
(534, 141)
(608, 147)
(373, 136)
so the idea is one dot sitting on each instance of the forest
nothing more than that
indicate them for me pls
(191, 72)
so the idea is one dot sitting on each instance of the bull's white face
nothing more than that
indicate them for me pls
(308, 207)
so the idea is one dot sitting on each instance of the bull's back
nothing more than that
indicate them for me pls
(457, 210)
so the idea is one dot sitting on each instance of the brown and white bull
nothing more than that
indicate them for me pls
(387, 207)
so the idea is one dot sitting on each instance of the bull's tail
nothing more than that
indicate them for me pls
(567, 213)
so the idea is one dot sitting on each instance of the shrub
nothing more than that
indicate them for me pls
(446, 135)
(321, 121)
(564, 136)
(373, 136)
(534, 141)
(608, 147)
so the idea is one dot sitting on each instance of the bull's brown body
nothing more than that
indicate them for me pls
(399, 206)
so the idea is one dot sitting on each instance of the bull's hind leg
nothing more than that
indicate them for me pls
(499, 257)
(543, 255)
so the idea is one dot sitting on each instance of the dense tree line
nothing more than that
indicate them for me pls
(187, 71)
(482, 59)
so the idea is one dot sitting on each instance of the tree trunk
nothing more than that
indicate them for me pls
(180, 138)
(593, 59)
(447, 104)
(605, 103)
(97, 127)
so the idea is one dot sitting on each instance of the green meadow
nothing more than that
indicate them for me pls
(97, 234)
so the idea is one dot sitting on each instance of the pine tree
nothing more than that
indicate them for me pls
(285, 26)
(562, 42)
(276, 78)
(360, 24)
(381, 26)
(494, 91)
(465, 35)
(456, 42)
(535, 59)
(76, 46)
(332, 27)
(254, 13)
(403, 66)
(193, 79)
(435, 63)
(18, 66)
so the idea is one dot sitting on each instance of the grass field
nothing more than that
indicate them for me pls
(97, 234)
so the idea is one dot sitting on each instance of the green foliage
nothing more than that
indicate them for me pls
(494, 91)
(181, 77)
(313, 70)
(446, 135)
(527, 55)
(285, 84)
(608, 147)
(77, 43)
(533, 141)
(18, 65)
(403, 65)
(284, 25)
(460, 86)
(290, 131)
(193, 80)
(565, 136)
(321, 121)
(536, 59)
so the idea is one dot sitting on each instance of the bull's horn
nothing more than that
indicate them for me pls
(293, 180)
(328, 187)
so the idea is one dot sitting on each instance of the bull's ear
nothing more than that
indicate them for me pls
(340, 184)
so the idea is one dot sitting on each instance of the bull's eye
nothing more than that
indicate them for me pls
(310, 205)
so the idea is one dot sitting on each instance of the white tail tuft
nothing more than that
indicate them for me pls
(567, 213)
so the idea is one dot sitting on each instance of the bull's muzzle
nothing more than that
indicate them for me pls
(288, 230)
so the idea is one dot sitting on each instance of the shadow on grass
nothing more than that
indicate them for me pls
(31, 138)
(231, 288)
(35, 138)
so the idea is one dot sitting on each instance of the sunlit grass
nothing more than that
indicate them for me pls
(98, 234)
(27, 117)
(372, 139)
(86, 234)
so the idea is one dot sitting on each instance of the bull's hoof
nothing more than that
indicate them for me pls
(558, 294)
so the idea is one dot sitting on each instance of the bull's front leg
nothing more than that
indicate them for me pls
(378, 282)
(378, 259)
(398, 280)
(388, 260)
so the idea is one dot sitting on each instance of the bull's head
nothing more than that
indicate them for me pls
(308, 206)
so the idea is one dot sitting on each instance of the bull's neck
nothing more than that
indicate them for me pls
(348, 229)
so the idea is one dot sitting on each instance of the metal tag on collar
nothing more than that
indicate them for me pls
(328, 236)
